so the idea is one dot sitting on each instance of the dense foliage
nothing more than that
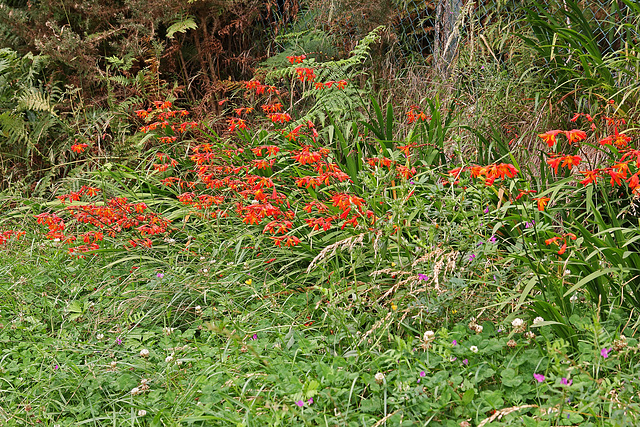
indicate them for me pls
(312, 245)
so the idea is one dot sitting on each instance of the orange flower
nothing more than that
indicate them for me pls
(575, 135)
(591, 176)
(554, 162)
(550, 137)
(78, 148)
(542, 202)
(523, 192)
(571, 161)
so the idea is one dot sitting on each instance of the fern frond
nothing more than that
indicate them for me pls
(181, 27)
(32, 99)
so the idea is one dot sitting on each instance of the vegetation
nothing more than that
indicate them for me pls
(312, 242)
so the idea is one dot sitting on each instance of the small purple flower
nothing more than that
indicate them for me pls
(493, 239)
(465, 362)
(480, 243)
(310, 401)
(471, 257)
(55, 367)
(422, 373)
(566, 381)
(411, 182)
(160, 275)
(539, 377)
(454, 343)
(486, 210)
(423, 277)
(605, 352)
(118, 341)
(300, 403)
(254, 337)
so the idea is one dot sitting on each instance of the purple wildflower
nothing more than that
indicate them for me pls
(300, 403)
(423, 277)
(493, 239)
(566, 381)
(422, 373)
(471, 257)
(160, 275)
(118, 341)
(605, 352)
(486, 210)
(310, 401)
(539, 377)
(454, 343)
(465, 362)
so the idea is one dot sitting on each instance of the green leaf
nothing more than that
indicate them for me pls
(181, 27)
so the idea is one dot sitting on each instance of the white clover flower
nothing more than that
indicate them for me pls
(517, 323)
(429, 336)
(99, 337)
(142, 413)
(204, 270)
(114, 364)
(198, 310)
(478, 329)
(538, 320)
(135, 391)
(573, 298)
(473, 348)
(379, 377)
(144, 353)
(144, 381)
(168, 359)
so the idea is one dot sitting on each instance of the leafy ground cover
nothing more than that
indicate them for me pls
(326, 260)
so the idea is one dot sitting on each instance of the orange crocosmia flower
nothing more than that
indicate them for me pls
(622, 167)
(550, 137)
(523, 192)
(571, 161)
(634, 181)
(554, 162)
(632, 153)
(552, 240)
(92, 191)
(542, 202)
(78, 148)
(620, 140)
(405, 172)
(591, 176)
(575, 135)
(563, 248)
(506, 169)
(616, 176)
(455, 172)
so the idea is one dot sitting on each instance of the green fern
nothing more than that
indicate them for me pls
(34, 100)
(181, 27)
